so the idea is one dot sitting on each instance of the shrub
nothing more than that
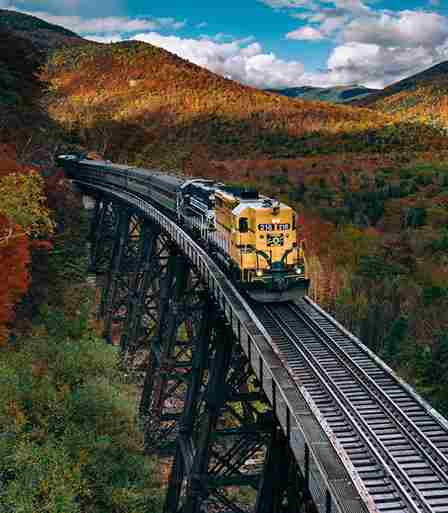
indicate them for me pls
(68, 441)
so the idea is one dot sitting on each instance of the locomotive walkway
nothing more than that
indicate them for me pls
(277, 400)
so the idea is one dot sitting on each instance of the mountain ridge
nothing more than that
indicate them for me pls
(421, 98)
(336, 94)
(437, 71)
(160, 109)
(134, 101)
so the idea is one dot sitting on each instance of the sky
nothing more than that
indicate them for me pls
(271, 43)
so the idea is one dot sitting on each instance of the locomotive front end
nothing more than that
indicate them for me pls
(279, 273)
(262, 245)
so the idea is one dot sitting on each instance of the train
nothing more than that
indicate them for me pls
(252, 237)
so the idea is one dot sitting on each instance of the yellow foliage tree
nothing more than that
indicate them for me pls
(23, 202)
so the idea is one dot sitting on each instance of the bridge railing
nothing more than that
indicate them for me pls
(331, 478)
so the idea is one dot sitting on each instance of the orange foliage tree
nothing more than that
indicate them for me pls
(24, 219)
(14, 276)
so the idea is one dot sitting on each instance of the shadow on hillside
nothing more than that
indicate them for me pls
(24, 122)
(157, 139)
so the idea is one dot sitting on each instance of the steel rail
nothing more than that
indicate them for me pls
(388, 372)
(404, 445)
(368, 436)
(366, 380)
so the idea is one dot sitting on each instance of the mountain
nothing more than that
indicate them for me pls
(44, 35)
(422, 97)
(140, 103)
(373, 214)
(135, 102)
(339, 94)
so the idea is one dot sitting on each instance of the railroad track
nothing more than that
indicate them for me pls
(399, 450)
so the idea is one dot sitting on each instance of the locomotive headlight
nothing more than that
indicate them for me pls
(298, 270)
(259, 273)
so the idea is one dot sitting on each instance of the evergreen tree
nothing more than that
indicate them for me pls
(394, 339)
(439, 367)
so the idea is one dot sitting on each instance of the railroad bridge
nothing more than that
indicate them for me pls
(263, 408)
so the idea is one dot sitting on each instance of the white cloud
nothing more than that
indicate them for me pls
(238, 60)
(372, 46)
(99, 25)
(65, 7)
(377, 66)
(385, 47)
(111, 38)
(219, 37)
(171, 23)
(406, 29)
(107, 26)
(286, 4)
(306, 34)
(353, 6)
(332, 24)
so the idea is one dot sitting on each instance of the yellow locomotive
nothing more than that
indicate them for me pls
(253, 235)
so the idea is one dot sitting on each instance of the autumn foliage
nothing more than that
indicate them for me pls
(138, 103)
(14, 277)
(24, 219)
(370, 184)
(422, 98)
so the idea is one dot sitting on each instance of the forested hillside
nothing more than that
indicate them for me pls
(421, 98)
(139, 103)
(339, 94)
(376, 238)
(371, 188)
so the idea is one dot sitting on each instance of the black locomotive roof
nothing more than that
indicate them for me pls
(241, 192)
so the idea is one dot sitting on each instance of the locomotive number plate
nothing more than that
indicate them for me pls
(272, 227)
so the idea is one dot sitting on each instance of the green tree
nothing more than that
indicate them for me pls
(394, 339)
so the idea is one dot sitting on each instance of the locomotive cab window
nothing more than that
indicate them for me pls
(243, 225)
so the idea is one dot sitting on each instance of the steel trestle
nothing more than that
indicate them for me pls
(201, 404)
